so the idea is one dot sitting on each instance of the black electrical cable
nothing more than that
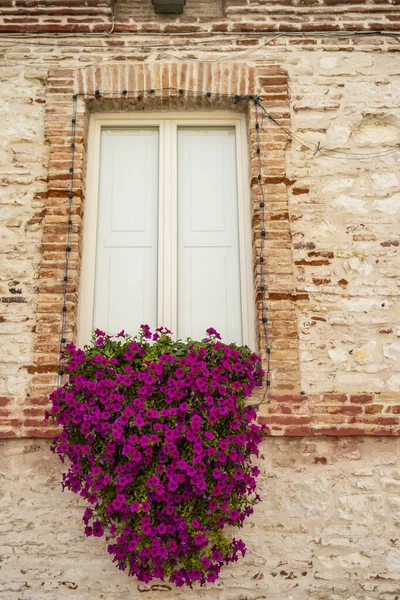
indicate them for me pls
(235, 98)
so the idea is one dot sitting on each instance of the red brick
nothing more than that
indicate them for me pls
(34, 412)
(10, 422)
(8, 433)
(334, 397)
(40, 433)
(284, 420)
(339, 431)
(288, 398)
(386, 431)
(346, 410)
(377, 408)
(361, 399)
(298, 431)
(45, 402)
(38, 423)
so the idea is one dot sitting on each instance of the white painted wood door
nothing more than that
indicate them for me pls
(125, 293)
(209, 293)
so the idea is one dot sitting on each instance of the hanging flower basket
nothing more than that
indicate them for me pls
(159, 442)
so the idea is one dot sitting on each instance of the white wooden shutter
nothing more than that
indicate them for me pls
(209, 293)
(126, 250)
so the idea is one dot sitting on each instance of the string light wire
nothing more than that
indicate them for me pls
(230, 56)
(261, 204)
(138, 46)
(127, 52)
(68, 247)
(165, 48)
(261, 257)
(193, 34)
(317, 148)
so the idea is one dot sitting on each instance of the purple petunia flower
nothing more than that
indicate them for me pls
(150, 432)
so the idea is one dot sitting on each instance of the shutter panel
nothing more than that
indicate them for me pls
(126, 252)
(209, 293)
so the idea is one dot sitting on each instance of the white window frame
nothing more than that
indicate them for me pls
(167, 123)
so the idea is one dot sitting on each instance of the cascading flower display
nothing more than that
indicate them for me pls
(159, 442)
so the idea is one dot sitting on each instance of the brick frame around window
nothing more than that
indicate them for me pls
(290, 412)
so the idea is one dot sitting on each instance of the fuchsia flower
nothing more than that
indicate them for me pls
(151, 428)
(213, 333)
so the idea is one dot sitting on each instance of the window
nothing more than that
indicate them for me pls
(167, 235)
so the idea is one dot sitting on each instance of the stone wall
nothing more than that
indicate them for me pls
(339, 232)
(327, 529)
